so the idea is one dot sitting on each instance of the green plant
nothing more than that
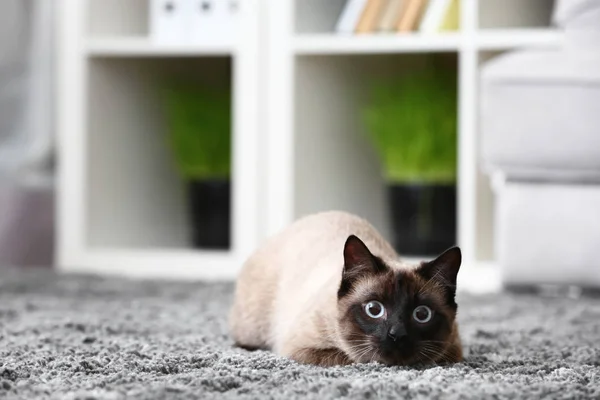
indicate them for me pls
(199, 125)
(412, 124)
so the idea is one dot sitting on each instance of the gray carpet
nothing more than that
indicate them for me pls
(95, 338)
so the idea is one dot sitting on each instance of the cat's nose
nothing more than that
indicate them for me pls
(397, 332)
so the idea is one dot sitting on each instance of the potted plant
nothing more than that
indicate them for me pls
(199, 135)
(411, 121)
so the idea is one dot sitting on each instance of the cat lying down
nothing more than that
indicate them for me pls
(329, 290)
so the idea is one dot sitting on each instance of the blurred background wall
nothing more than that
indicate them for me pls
(26, 132)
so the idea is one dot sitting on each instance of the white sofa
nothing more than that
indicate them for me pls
(540, 126)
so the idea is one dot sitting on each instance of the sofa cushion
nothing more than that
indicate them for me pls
(548, 233)
(540, 114)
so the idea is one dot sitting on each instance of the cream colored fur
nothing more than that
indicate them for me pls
(286, 294)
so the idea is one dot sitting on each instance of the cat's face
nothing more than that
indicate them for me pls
(398, 317)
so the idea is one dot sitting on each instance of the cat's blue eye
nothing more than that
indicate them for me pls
(375, 309)
(422, 314)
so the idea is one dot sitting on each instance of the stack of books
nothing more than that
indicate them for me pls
(398, 16)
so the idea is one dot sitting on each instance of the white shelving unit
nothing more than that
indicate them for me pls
(121, 205)
(298, 141)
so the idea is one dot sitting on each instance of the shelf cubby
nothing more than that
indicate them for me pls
(136, 198)
(335, 166)
(122, 204)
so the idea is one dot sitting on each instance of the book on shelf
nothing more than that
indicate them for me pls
(412, 16)
(441, 15)
(391, 15)
(452, 19)
(433, 18)
(399, 16)
(350, 16)
(370, 16)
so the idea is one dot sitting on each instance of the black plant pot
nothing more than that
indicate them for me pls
(210, 212)
(423, 218)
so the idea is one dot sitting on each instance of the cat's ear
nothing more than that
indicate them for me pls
(358, 262)
(443, 269)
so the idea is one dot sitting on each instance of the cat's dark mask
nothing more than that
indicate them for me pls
(397, 315)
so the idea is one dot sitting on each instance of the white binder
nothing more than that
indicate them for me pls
(212, 21)
(168, 21)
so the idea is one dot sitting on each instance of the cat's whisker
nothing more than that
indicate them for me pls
(434, 341)
(432, 348)
(431, 355)
(360, 349)
(445, 355)
(359, 356)
(365, 349)
(435, 347)
(362, 343)
(375, 354)
(428, 357)
(329, 360)
(362, 352)
(440, 353)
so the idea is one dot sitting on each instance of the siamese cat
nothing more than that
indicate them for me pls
(330, 290)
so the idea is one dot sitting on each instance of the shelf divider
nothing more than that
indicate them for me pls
(123, 47)
(506, 39)
(373, 44)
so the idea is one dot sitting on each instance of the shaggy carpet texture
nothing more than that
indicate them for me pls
(103, 338)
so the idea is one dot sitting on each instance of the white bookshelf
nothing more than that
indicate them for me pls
(121, 206)
(295, 150)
